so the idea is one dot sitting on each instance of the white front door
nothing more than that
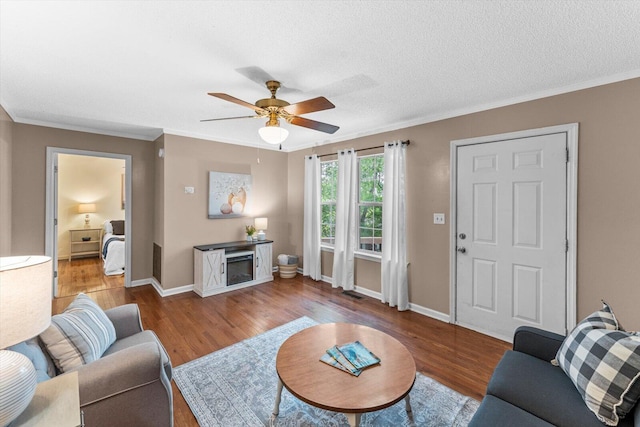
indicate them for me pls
(511, 234)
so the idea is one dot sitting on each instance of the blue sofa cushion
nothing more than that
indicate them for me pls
(540, 388)
(496, 412)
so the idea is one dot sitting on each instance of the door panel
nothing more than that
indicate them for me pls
(511, 202)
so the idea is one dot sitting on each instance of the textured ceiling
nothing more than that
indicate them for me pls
(140, 68)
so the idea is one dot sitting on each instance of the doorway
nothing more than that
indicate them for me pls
(513, 231)
(85, 190)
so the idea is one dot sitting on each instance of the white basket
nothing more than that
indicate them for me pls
(288, 271)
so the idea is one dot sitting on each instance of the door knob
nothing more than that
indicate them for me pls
(462, 250)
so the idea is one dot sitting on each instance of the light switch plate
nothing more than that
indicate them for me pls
(438, 218)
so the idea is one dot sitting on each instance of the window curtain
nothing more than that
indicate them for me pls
(311, 238)
(346, 225)
(395, 287)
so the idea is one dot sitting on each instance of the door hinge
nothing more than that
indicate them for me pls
(55, 169)
(55, 274)
(566, 245)
(55, 221)
(567, 155)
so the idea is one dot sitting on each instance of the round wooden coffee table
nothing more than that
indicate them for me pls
(316, 383)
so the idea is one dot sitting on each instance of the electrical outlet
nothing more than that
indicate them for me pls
(438, 218)
(189, 190)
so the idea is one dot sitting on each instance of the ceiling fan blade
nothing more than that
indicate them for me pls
(260, 76)
(312, 124)
(237, 101)
(309, 106)
(230, 118)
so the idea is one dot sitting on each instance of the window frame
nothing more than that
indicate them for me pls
(370, 252)
(371, 255)
(330, 203)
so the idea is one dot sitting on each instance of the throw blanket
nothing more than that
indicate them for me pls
(106, 245)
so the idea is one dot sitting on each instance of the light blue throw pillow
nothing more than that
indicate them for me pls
(33, 352)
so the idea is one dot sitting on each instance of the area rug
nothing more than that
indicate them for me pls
(236, 386)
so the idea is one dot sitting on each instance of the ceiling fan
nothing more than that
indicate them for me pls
(275, 109)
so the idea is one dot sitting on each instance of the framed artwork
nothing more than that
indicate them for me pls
(229, 195)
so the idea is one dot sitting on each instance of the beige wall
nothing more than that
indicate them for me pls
(187, 162)
(608, 196)
(86, 179)
(6, 142)
(28, 187)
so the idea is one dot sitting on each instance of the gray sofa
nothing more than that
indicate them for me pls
(130, 385)
(526, 390)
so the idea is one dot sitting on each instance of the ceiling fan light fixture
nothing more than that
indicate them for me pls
(273, 134)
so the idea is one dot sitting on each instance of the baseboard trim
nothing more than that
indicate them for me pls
(413, 307)
(359, 289)
(430, 312)
(162, 292)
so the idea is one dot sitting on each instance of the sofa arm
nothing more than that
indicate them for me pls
(119, 372)
(537, 342)
(126, 388)
(126, 320)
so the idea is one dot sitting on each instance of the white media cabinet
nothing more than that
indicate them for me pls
(223, 267)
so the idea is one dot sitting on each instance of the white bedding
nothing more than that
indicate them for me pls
(114, 261)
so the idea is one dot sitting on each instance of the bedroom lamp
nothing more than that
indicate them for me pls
(261, 224)
(87, 208)
(25, 311)
(272, 133)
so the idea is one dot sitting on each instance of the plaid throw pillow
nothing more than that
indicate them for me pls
(603, 361)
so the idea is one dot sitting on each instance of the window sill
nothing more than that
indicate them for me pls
(358, 254)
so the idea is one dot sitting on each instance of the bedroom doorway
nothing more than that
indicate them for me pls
(86, 191)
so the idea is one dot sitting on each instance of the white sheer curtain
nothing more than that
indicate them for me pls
(311, 238)
(395, 287)
(346, 225)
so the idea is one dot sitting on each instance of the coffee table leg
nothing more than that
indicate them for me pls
(276, 408)
(407, 403)
(354, 419)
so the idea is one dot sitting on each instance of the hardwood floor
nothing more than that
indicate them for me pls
(190, 327)
(84, 275)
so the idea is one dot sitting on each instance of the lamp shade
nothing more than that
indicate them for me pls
(86, 208)
(25, 298)
(273, 134)
(261, 223)
(25, 311)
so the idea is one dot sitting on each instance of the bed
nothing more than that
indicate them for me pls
(113, 250)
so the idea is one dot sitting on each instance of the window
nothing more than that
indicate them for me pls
(370, 185)
(329, 186)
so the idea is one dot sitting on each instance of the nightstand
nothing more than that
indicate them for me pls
(56, 403)
(92, 245)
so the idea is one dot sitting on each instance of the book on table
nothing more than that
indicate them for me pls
(352, 357)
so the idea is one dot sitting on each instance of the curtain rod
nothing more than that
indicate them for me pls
(407, 142)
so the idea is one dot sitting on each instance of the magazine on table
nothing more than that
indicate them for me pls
(330, 360)
(352, 357)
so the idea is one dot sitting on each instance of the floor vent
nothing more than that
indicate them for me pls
(351, 294)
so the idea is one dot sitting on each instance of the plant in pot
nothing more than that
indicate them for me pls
(251, 231)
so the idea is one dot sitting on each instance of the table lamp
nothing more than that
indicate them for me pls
(261, 224)
(86, 208)
(25, 311)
